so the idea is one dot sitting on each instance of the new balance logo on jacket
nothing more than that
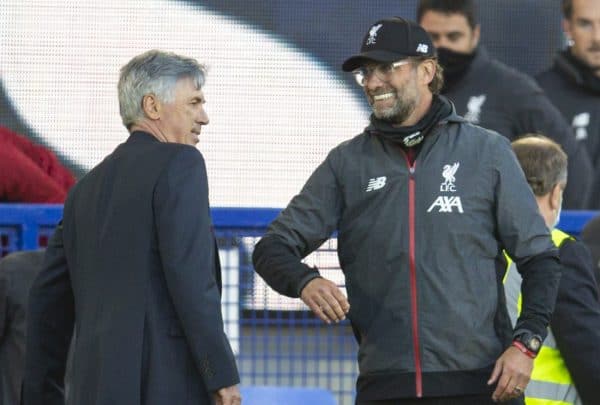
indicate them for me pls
(376, 183)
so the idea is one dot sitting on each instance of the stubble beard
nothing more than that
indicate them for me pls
(589, 60)
(398, 112)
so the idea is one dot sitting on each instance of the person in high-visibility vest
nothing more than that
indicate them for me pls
(567, 368)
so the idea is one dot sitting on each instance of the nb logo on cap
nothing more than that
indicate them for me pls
(373, 34)
(422, 48)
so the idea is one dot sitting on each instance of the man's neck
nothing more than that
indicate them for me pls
(149, 128)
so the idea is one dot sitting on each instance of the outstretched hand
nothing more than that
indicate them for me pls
(325, 299)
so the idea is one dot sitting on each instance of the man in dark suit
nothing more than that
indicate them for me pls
(134, 264)
(17, 272)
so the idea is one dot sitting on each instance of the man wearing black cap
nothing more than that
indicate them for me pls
(423, 203)
(495, 96)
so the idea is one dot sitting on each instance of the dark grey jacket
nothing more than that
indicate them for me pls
(507, 101)
(580, 105)
(17, 272)
(419, 247)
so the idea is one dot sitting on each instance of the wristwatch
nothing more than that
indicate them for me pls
(528, 343)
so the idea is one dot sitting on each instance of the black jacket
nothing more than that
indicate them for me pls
(17, 272)
(135, 268)
(577, 95)
(500, 98)
(576, 320)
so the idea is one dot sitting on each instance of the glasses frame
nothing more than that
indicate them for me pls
(363, 73)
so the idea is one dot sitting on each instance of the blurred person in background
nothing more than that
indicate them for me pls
(567, 369)
(491, 94)
(17, 272)
(573, 81)
(134, 265)
(590, 235)
(423, 203)
(30, 173)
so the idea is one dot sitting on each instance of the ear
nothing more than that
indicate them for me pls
(151, 106)
(427, 67)
(566, 27)
(476, 35)
(555, 197)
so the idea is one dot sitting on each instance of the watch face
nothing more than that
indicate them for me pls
(534, 344)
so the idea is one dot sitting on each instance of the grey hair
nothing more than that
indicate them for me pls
(154, 72)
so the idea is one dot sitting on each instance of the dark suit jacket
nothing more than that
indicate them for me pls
(17, 272)
(134, 266)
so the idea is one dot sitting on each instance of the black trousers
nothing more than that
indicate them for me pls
(485, 399)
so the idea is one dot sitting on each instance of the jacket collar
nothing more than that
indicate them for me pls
(566, 64)
(482, 58)
(141, 136)
(451, 117)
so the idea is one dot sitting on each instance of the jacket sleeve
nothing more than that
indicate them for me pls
(187, 250)
(50, 320)
(4, 286)
(576, 320)
(537, 114)
(307, 222)
(524, 235)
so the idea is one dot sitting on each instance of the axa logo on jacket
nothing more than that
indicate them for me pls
(445, 203)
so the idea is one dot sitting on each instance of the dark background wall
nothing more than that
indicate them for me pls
(522, 33)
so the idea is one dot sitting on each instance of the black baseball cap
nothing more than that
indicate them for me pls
(390, 40)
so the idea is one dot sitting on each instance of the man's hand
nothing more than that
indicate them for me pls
(228, 396)
(325, 299)
(512, 371)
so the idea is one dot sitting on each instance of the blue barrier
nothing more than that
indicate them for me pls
(265, 395)
(26, 220)
(572, 222)
(277, 341)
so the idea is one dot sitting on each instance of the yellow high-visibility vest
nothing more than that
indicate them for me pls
(551, 382)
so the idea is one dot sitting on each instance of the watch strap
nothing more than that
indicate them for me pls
(524, 349)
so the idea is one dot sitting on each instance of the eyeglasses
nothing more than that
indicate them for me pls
(383, 71)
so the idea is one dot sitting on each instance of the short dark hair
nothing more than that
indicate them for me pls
(463, 7)
(567, 9)
(543, 161)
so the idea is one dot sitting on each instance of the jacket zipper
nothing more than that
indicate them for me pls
(413, 276)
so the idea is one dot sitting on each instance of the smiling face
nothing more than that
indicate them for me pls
(404, 96)
(181, 119)
(393, 99)
(583, 27)
(450, 31)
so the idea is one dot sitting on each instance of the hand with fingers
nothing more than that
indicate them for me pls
(325, 299)
(512, 373)
(228, 396)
